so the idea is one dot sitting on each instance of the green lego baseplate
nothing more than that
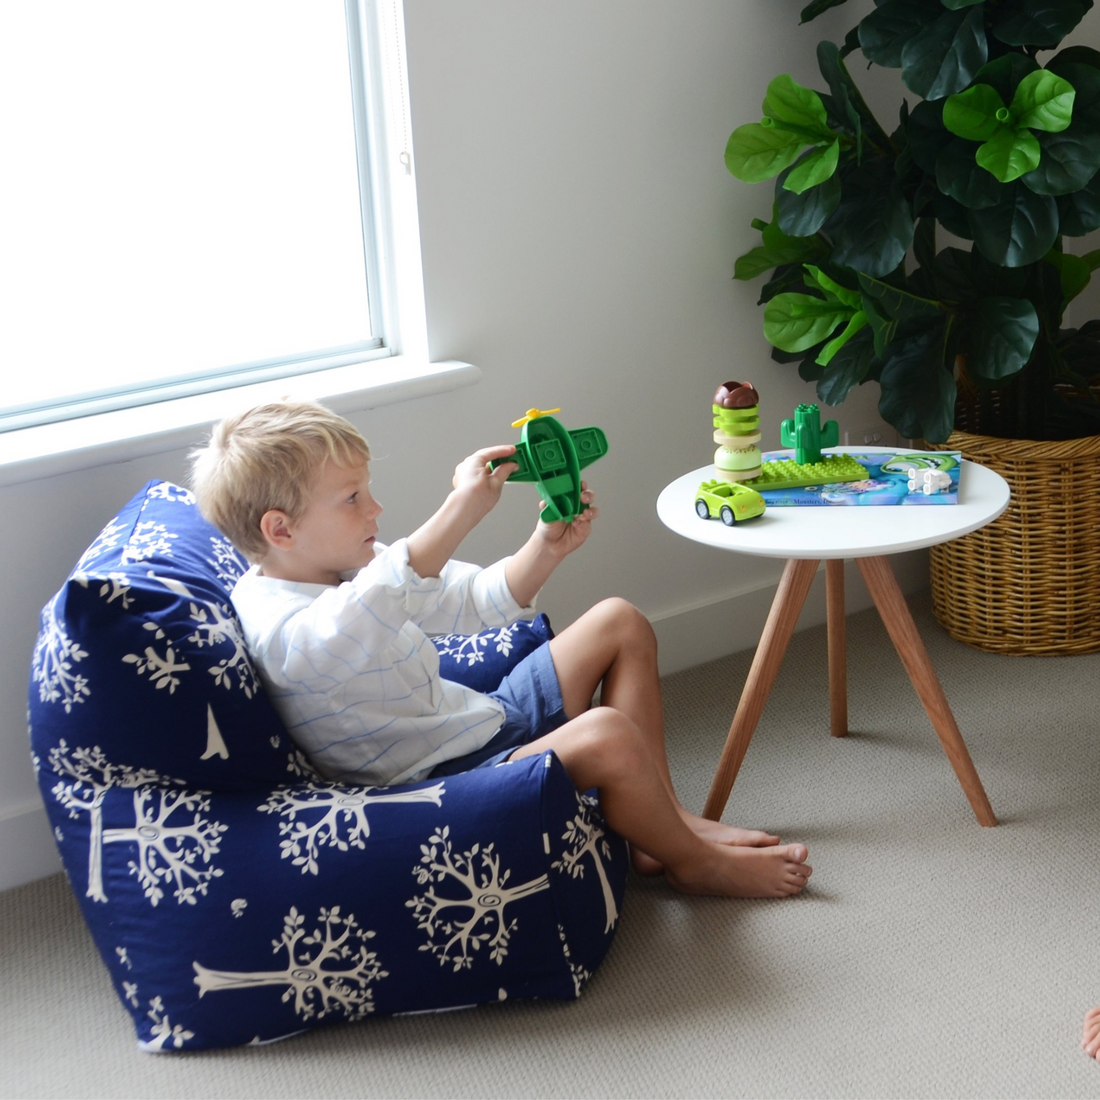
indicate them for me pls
(785, 473)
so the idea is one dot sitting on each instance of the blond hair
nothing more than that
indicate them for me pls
(268, 458)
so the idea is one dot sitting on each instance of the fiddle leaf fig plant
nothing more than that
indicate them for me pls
(998, 151)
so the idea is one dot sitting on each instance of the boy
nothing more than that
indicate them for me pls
(336, 624)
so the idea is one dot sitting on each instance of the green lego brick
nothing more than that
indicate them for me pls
(788, 474)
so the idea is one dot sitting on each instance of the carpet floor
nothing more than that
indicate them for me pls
(928, 958)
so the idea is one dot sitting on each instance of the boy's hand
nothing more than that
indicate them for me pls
(478, 482)
(564, 537)
(477, 488)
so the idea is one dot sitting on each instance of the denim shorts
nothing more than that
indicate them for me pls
(531, 697)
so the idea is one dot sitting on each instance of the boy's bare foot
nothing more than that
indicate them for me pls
(716, 832)
(741, 872)
(1090, 1038)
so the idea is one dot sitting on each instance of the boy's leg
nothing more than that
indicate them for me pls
(613, 644)
(603, 748)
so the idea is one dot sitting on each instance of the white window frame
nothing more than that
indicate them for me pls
(398, 372)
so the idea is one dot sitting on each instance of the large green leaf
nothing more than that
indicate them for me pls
(1000, 336)
(796, 108)
(795, 322)
(1074, 272)
(1019, 230)
(1043, 24)
(802, 215)
(953, 216)
(1043, 101)
(856, 323)
(872, 227)
(973, 114)
(813, 169)
(1086, 83)
(785, 278)
(959, 175)
(888, 308)
(954, 277)
(884, 33)
(1005, 73)
(926, 134)
(847, 368)
(1069, 160)
(1073, 55)
(776, 249)
(943, 57)
(816, 278)
(1008, 154)
(1080, 211)
(918, 389)
(898, 303)
(755, 152)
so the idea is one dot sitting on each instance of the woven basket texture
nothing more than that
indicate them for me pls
(1028, 583)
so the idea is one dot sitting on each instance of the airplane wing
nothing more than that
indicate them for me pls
(590, 444)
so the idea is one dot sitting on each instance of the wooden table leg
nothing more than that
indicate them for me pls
(903, 632)
(782, 619)
(838, 658)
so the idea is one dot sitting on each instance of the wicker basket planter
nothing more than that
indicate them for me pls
(1029, 583)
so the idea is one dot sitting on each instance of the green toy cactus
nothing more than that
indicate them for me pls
(807, 435)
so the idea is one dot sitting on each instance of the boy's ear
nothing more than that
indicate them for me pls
(275, 527)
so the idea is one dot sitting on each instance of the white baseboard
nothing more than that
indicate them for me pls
(27, 849)
(686, 636)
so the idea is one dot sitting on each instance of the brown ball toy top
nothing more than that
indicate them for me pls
(736, 395)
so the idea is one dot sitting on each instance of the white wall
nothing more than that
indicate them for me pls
(579, 230)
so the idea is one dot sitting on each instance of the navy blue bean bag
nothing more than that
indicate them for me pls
(234, 895)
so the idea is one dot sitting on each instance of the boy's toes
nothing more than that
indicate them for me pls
(796, 853)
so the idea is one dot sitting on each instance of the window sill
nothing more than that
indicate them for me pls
(50, 449)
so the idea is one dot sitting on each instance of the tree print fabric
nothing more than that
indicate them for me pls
(236, 897)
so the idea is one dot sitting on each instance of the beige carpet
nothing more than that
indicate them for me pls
(929, 958)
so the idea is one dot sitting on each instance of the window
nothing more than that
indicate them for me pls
(191, 198)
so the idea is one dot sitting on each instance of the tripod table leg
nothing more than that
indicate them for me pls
(782, 619)
(903, 633)
(838, 659)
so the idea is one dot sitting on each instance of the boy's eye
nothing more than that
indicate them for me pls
(352, 498)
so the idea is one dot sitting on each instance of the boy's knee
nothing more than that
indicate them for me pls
(627, 621)
(613, 734)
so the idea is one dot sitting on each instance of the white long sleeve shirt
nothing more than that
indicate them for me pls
(353, 674)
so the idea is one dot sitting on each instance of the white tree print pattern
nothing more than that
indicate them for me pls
(465, 906)
(472, 648)
(175, 842)
(327, 970)
(586, 838)
(322, 814)
(214, 625)
(55, 655)
(163, 1031)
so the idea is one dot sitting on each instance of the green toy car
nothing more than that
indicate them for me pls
(729, 501)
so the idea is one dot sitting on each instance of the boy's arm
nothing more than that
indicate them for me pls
(530, 567)
(476, 490)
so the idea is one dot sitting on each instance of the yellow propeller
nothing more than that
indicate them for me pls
(533, 414)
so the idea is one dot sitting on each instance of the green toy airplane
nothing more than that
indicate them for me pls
(552, 457)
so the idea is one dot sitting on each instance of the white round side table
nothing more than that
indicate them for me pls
(807, 535)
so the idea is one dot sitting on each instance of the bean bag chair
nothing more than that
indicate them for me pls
(234, 895)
